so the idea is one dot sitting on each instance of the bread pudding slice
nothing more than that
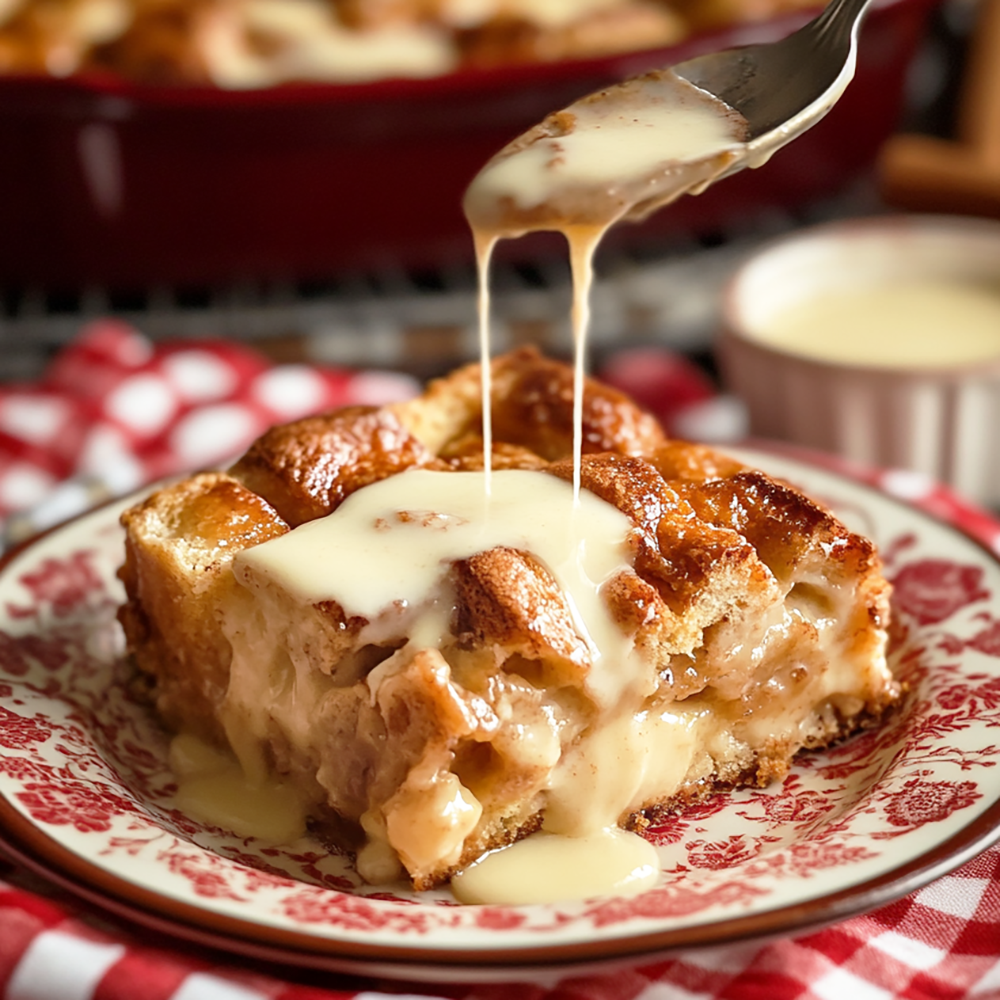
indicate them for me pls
(736, 622)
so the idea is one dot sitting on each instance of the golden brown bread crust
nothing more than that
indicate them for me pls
(724, 560)
(305, 469)
(532, 413)
(178, 546)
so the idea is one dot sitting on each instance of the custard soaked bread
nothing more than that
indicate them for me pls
(732, 621)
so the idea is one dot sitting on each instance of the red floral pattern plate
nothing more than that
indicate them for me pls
(86, 797)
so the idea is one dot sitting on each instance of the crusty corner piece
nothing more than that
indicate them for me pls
(306, 468)
(757, 620)
(179, 546)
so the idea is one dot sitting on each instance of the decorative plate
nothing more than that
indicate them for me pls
(86, 796)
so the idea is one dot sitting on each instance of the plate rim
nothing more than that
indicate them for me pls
(196, 925)
(43, 854)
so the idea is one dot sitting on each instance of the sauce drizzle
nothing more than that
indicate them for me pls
(620, 153)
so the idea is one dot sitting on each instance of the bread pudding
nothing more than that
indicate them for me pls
(258, 43)
(719, 621)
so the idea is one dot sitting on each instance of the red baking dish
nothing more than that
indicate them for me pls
(110, 182)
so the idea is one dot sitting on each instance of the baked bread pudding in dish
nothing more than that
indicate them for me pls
(514, 658)
(260, 43)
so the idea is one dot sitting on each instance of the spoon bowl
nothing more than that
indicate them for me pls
(627, 150)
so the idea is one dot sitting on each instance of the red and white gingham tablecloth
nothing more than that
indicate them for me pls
(942, 943)
(114, 412)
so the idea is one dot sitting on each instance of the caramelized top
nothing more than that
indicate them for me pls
(306, 468)
(719, 591)
(704, 525)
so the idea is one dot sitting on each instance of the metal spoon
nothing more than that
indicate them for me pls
(783, 88)
(777, 90)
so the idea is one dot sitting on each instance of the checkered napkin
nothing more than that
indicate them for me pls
(115, 411)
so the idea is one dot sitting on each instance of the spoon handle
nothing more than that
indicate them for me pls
(839, 20)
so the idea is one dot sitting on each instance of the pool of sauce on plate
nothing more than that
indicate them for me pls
(214, 788)
(547, 868)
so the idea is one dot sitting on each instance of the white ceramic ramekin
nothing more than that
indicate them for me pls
(942, 422)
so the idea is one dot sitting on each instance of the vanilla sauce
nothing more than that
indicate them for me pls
(619, 155)
(213, 786)
(632, 150)
(930, 323)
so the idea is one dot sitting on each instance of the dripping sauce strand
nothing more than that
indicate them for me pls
(620, 153)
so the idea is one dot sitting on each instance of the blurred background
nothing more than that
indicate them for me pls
(252, 208)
